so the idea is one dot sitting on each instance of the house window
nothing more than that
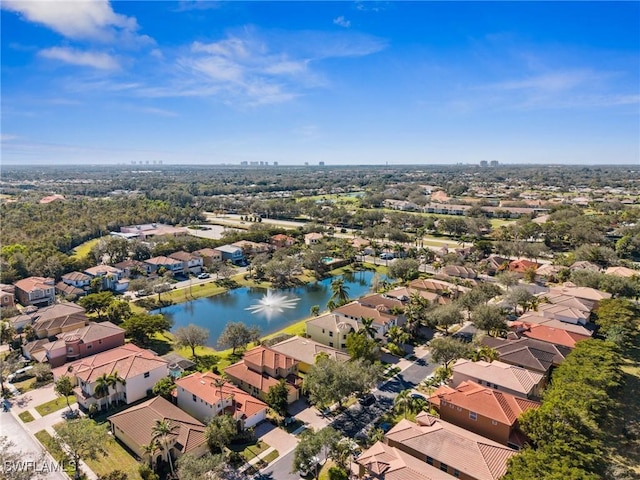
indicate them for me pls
(444, 467)
(456, 473)
(343, 345)
(89, 347)
(331, 334)
(493, 422)
(473, 415)
(331, 344)
(99, 342)
(429, 460)
(193, 397)
(344, 337)
(69, 350)
(146, 374)
(459, 409)
(444, 403)
(451, 405)
(323, 330)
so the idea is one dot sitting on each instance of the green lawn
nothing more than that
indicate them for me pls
(82, 250)
(250, 451)
(54, 449)
(26, 385)
(54, 405)
(271, 456)
(26, 417)
(117, 458)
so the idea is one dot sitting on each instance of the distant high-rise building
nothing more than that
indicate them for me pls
(306, 164)
(494, 163)
(275, 164)
(321, 164)
(244, 164)
(484, 163)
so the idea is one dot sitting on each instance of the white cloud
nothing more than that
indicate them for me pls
(99, 60)
(342, 22)
(551, 82)
(8, 137)
(79, 19)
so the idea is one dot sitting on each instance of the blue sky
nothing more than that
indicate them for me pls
(198, 82)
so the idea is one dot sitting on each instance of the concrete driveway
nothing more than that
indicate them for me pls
(276, 437)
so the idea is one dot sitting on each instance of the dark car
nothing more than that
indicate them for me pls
(368, 399)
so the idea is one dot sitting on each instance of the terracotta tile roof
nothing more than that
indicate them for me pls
(162, 260)
(207, 252)
(499, 406)
(437, 286)
(182, 256)
(532, 318)
(138, 422)
(568, 301)
(404, 294)
(128, 264)
(266, 357)
(622, 272)
(585, 293)
(556, 310)
(261, 381)
(508, 376)
(357, 311)
(548, 334)
(94, 331)
(305, 350)
(521, 265)
(389, 463)
(128, 360)
(467, 452)
(66, 289)
(30, 284)
(201, 385)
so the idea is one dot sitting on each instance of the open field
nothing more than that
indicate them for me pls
(82, 250)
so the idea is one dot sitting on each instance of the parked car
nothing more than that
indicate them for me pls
(386, 256)
(20, 373)
(204, 275)
(313, 465)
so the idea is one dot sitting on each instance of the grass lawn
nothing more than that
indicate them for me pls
(271, 456)
(82, 250)
(25, 385)
(26, 417)
(54, 449)
(117, 458)
(250, 451)
(196, 291)
(54, 405)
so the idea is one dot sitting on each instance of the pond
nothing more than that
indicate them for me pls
(253, 306)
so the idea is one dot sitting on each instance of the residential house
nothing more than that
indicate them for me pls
(483, 410)
(445, 289)
(545, 333)
(178, 365)
(37, 291)
(528, 353)
(383, 462)
(521, 266)
(495, 264)
(548, 272)
(130, 267)
(404, 295)
(252, 248)
(190, 263)
(232, 253)
(59, 318)
(206, 395)
(584, 265)
(209, 256)
(584, 293)
(313, 238)
(622, 272)
(501, 376)
(112, 277)
(261, 368)
(282, 241)
(149, 231)
(585, 306)
(305, 351)
(20, 321)
(564, 313)
(135, 427)
(382, 315)
(459, 272)
(171, 264)
(69, 292)
(51, 198)
(362, 245)
(331, 329)
(533, 318)
(79, 343)
(449, 448)
(138, 370)
(7, 295)
(77, 279)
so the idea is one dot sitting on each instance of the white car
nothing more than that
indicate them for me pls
(202, 276)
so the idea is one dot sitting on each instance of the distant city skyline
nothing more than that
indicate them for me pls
(344, 83)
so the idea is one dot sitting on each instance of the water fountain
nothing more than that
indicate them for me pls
(272, 303)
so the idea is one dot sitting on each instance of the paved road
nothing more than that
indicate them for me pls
(33, 454)
(354, 419)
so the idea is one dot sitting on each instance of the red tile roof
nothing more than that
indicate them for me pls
(548, 334)
(499, 406)
(266, 357)
(30, 284)
(389, 463)
(261, 381)
(201, 385)
(521, 265)
(467, 452)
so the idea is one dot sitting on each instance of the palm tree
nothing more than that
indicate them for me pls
(339, 291)
(485, 353)
(219, 383)
(404, 402)
(101, 389)
(161, 432)
(114, 381)
(150, 450)
(367, 327)
(397, 335)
